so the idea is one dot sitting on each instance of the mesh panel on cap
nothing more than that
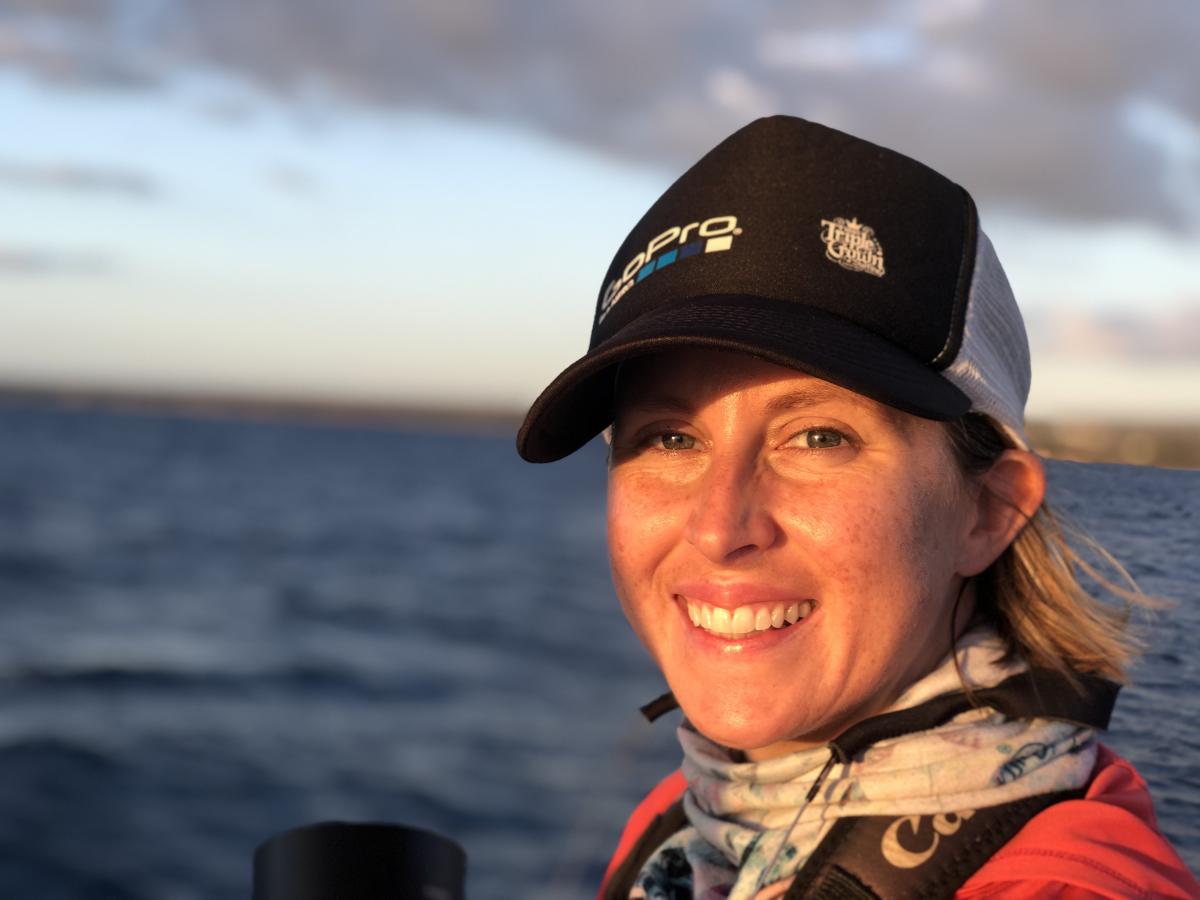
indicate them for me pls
(992, 366)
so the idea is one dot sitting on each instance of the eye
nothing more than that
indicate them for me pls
(674, 440)
(820, 438)
(824, 438)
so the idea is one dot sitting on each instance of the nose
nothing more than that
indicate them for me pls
(730, 519)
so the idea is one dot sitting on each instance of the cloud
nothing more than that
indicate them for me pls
(732, 90)
(77, 43)
(844, 50)
(1161, 336)
(290, 179)
(67, 176)
(1027, 103)
(27, 261)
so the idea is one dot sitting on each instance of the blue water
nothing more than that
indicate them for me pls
(213, 631)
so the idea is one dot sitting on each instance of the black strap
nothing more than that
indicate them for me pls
(659, 706)
(1033, 694)
(926, 857)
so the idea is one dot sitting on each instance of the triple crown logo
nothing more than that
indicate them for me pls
(710, 236)
(852, 245)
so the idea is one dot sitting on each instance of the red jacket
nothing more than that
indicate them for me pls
(1105, 845)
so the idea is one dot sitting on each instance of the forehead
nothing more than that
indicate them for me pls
(690, 379)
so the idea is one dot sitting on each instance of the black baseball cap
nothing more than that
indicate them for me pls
(812, 249)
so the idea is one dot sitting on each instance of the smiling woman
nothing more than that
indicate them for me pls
(762, 496)
(826, 526)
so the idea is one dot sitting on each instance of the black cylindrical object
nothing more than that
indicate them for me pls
(346, 861)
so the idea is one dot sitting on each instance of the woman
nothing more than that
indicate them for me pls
(826, 526)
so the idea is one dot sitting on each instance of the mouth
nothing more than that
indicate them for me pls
(745, 621)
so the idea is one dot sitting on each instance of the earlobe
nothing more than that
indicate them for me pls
(1010, 493)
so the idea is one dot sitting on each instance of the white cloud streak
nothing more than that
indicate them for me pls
(1026, 103)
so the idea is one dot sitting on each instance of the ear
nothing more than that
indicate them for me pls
(1010, 492)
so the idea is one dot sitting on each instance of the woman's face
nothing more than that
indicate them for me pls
(744, 495)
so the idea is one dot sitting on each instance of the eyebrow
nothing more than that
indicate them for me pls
(812, 396)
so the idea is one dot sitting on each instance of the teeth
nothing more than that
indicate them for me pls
(746, 619)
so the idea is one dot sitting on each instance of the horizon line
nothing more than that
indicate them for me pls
(1164, 442)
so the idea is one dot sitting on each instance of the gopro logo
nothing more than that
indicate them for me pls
(677, 243)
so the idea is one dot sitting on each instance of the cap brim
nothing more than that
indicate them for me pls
(578, 404)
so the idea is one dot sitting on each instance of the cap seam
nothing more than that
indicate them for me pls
(962, 287)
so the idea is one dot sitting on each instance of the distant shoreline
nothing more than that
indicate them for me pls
(1168, 444)
(287, 409)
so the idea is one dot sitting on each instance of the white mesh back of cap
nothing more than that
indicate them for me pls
(992, 365)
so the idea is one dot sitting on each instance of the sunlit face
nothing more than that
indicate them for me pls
(744, 495)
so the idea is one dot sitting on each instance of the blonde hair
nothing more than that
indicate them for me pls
(1032, 593)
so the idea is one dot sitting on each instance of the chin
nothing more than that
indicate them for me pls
(740, 726)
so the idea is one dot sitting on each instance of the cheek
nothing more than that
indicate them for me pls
(876, 535)
(844, 520)
(641, 522)
(641, 531)
(624, 522)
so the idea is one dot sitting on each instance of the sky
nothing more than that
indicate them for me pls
(414, 202)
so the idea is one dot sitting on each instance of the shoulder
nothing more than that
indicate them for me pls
(653, 805)
(1106, 844)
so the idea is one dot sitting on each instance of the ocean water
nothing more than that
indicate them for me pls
(213, 631)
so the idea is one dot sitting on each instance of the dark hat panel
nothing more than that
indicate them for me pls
(792, 211)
